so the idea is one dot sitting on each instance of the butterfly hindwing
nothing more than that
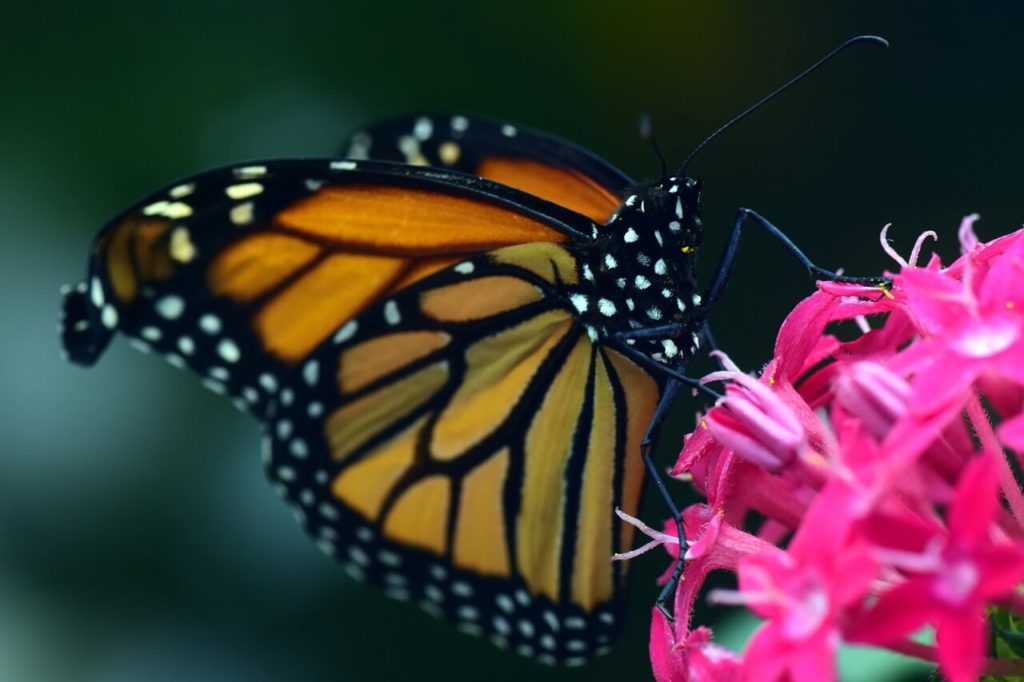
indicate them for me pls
(535, 162)
(463, 444)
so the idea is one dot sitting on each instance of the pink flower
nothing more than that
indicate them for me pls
(804, 594)
(973, 325)
(954, 573)
(873, 450)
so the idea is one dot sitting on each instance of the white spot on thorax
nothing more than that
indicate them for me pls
(679, 208)
(606, 307)
(659, 267)
(610, 262)
(641, 282)
(654, 313)
(671, 350)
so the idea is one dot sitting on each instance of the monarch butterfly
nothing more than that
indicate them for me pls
(455, 339)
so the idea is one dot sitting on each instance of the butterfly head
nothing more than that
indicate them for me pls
(667, 213)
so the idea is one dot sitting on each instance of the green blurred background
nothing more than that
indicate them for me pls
(138, 539)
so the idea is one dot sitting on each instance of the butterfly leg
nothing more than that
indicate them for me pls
(668, 398)
(644, 361)
(725, 264)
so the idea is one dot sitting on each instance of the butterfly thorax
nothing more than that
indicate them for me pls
(642, 273)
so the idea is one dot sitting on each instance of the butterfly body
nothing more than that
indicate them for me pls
(437, 358)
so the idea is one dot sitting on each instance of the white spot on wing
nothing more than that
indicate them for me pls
(630, 236)
(344, 165)
(346, 332)
(311, 372)
(423, 128)
(210, 323)
(229, 350)
(580, 302)
(182, 191)
(242, 214)
(170, 307)
(109, 316)
(243, 190)
(96, 293)
(249, 172)
(391, 313)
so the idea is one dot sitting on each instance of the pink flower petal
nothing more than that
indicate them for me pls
(667, 663)
(961, 644)
(977, 500)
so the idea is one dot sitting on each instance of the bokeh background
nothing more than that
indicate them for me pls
(138, 539)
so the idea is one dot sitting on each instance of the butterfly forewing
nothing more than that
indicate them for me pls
(241, 271)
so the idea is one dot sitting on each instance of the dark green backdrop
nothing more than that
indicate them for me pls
(138, 540)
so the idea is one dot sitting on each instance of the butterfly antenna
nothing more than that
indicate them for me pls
(647, 133)
(868, 40)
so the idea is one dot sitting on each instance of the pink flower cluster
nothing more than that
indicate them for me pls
(880, 470)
